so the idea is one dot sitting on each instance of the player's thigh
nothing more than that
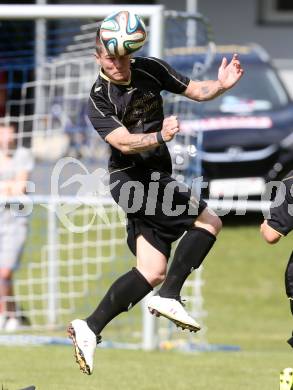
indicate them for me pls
(151, 263)
(209, 220)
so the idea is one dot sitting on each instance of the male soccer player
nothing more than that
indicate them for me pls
(279, 224)
(125, 107)
(16, 164)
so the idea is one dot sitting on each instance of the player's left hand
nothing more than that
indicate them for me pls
(230, 73)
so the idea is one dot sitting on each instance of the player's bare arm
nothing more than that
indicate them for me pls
(129, 143)
(18, 185)
(269, 234)
(14, 187)
(228, 75)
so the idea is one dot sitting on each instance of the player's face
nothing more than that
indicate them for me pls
(116, 68)
(6, 137)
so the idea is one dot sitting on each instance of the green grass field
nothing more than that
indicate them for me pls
(247, 307)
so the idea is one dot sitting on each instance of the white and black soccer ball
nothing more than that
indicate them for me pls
(122, 33)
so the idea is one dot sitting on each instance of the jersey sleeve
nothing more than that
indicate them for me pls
(171, 80)
(281, 216)
(102, 115)
(24, 160)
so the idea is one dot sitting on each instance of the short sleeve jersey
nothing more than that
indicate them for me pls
(21, 160)
(136, 105)
(281, 218)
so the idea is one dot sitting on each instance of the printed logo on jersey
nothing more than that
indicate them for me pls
(142, 109)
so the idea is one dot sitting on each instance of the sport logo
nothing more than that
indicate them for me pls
(93, 186)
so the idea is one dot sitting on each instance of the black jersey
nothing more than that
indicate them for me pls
(136, 105)
(281, 218)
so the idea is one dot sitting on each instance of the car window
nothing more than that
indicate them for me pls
(258, 90)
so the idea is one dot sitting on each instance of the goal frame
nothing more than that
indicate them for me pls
(155, 13)
(40, 13)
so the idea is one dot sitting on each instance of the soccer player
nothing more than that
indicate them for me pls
(126, 109)
(16, 163)
(278, 225)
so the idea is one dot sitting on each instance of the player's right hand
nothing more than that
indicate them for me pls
(170, 128)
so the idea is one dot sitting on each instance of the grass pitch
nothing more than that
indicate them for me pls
(246, 304)
(52, 368)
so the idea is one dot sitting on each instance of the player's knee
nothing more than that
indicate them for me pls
(153, 276)
(210, 221)
(216, 225)
(157, 278)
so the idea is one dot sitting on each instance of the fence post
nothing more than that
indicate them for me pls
(156, 38)
(150, 337)
(53, 263)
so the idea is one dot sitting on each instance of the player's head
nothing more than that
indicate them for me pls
(99, 45)
(7, 136)
(116, 68)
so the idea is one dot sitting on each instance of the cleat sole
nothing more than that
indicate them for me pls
(79, 357)
(179, 324)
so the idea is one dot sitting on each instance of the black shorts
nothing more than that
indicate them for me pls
(157, 206)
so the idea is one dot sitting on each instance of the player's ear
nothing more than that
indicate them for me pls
(97, 58)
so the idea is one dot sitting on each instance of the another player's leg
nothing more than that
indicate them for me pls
(189, 254)
(8, 320)
(10, 255)
(124, 293)
(289, 288)
(3, 298)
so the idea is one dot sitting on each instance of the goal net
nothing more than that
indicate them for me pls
(70, 259)
(65, 269)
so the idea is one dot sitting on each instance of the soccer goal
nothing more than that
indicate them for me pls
(66, 269)
(75, 249)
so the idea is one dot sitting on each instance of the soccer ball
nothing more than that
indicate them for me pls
(122, 33)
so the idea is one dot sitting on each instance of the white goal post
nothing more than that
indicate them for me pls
(155, 14)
